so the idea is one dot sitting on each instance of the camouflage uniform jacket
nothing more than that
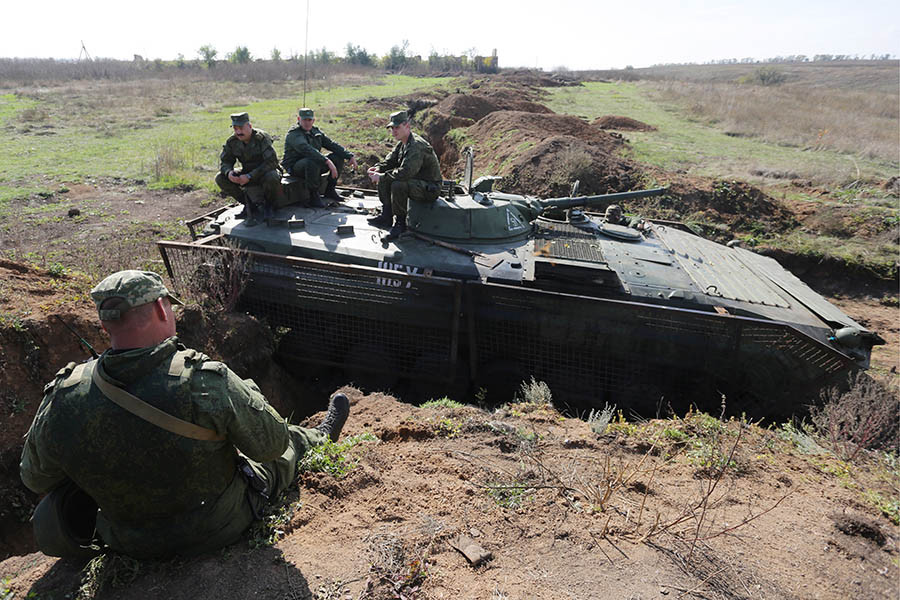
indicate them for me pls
(159, 493)
(299, 144)
(413, 160)
(257, 156)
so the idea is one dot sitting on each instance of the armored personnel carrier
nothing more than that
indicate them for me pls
(487, 289)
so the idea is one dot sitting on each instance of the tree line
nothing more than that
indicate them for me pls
(397, 58)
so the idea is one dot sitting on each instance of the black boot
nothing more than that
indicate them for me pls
(245, 201)
(252, 215)
(331, 193)
(338, 411)
(397, 230)
(315, 200)
(268, 213)
(382, 221)
(385, 219)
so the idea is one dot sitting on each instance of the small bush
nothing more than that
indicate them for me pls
(534, 392)
(334, 457)
(599, 419)
(444, 402)
(575, 165)
(765, 76)
(865, 417)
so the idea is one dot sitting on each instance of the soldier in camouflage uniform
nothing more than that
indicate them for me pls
(410, 171)
(615, 216)
(259, 166)
(161, 490)
(303, 157)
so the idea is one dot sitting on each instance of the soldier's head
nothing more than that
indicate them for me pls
(399, 125)
(306, 117)
(135, 307)
(240, 122)
(613, 213)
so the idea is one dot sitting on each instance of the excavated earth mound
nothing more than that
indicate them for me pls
(476, 106)
(544, 156)
(622, 124)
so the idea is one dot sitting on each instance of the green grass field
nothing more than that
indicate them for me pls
(168, 134)
(57, 140)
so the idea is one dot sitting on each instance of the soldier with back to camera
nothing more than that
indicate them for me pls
(178, 452)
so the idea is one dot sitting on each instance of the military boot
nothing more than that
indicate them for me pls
(268, 213)
(385, 219)
(338, 411)
(397, 230)
(252, 215)
(330, 192)
(244, 202)
(315, 200)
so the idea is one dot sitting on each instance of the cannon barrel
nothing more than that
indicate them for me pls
(555, 203)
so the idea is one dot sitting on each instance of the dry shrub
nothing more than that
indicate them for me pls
(574, 164)
(864, 417)
(168, 159)
(220, 280)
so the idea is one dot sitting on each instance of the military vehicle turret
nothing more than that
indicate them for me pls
(489, 289)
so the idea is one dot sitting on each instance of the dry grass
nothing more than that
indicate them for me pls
(29, 71)
(863, 417)
(863, 122)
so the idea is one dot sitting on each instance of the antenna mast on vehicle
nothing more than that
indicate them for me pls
(84, 52)
(305, 52)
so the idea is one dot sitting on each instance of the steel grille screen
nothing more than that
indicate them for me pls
(337, 314)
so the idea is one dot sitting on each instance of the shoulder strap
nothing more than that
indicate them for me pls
(150, 413)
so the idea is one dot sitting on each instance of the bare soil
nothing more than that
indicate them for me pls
(620, 123)
(437, 473)
(520, 483)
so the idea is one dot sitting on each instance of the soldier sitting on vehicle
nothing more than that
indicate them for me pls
(410, 171)
(178, 452)
(259, 166)
(303, 157)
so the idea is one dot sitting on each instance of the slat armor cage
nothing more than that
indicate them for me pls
(590, 351)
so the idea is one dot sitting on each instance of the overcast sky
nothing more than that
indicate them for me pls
(575, 34)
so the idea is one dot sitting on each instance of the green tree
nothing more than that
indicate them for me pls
(208, 55)
(397, 58)
(276, 54)
(322, 56)
(240, 55)
(357, 55)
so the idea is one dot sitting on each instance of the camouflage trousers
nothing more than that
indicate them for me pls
(310, 169)
(270, 183)
(397, 193)
(65, 529)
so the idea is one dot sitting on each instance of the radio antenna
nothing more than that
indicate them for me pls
(84, 52)
(305, 52)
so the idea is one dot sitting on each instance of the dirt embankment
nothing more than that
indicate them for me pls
(620, 123)
(34, 347)
(546, 507)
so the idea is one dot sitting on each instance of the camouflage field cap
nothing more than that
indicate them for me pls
(306, 113)
(613, 211)
(131, 288)
(397, 118)
(238, 119)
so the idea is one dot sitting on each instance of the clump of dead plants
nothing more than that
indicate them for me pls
(864, 417)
